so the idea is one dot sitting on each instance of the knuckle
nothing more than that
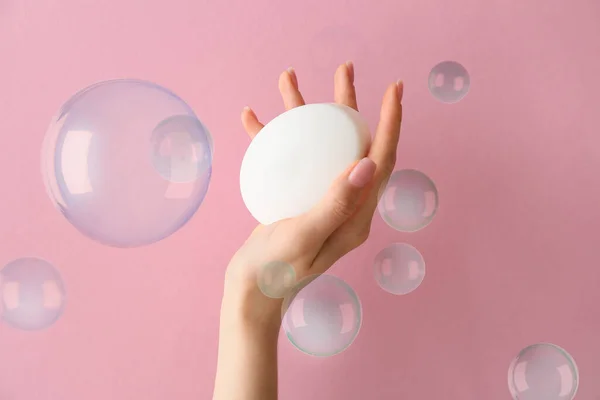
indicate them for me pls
(342, 208)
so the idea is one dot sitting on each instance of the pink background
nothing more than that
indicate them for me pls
(512, 256)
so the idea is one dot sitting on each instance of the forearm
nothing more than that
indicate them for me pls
(247, 360)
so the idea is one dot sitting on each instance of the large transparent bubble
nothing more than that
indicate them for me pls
(127, 162)
(323, 315)
(32, 294)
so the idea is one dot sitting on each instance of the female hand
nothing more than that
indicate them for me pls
(341, 222)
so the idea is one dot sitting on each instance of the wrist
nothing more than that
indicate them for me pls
(251, 312)
(247, 355)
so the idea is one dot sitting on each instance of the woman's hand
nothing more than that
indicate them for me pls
(311, 243)
(341, 222)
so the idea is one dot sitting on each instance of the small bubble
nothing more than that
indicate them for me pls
(32, 294)
(399, 268)
(409, 201)
(276, 278)
(322, 315)
(449, 82)
(182, 150)
(543, 371)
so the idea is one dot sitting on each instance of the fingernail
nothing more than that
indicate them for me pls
(400, 86)
(292, 73)
(350, 66)
(362, 173)
(247, 108)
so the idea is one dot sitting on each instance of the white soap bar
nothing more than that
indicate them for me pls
(294, 159)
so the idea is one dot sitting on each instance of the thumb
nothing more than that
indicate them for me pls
(340, 202)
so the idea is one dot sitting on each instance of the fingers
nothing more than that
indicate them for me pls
(344, 92)
(385, 144)
(339, 203)
(288, 87)
(250, 122)
(383, 152)
(387, 135)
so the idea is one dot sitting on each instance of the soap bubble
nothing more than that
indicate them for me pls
(127, 162)
(409, 201)
(276, 278)
(179, 152)
(449, 82)
(322, 316)
(399, 268)
(32, 294)
(543, 371)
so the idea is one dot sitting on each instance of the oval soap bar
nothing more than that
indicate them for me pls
(294, 159)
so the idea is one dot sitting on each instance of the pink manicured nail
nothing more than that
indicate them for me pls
(400, 86)
(292, 73)
(350, 66)
(362, 173)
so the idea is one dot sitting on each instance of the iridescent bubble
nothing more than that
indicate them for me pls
(449, 82)
(399, 268)
(543, 371)
(409, 201)
(276, 278)
(32, 292)
(127, 162)
(322, 316)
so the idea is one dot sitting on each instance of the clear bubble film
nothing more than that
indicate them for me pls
(32, 294)
(409, 201)
(322, 315)
(449, 82)
(399, 268)
(127, 162)
(543, 371)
